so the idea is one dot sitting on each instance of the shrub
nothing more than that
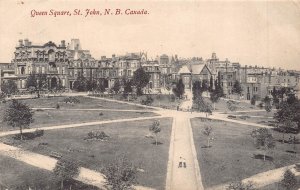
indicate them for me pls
(121, 174)
(71, 100)
(30, 135)
(149, 100)
(100, 114)
(57, 106)
(289, 181)
(240, 186)
(231, 105)
(172, 98)
(96, 135)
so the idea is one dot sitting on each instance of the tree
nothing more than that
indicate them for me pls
(100, 86)
(179, 89)
(91, 85)
(207, 132)
(155, 129)
(211, 84)
(286, 126)
(37, 82)
(288, 112)
(117, 86)
(205, 86)
(18, 115)
(202, 105)
(65, 170)
(2, 96)
(214, 97)
(197, 89)
(289, 181)
(140, 80)
(80, 84)
(253, 100)
(237, 88)
(263, 140)
(127, 87)
(120, 175)
(9, 87)
(268, 105)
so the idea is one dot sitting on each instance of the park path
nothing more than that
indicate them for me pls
(182, 149)
(86, 176)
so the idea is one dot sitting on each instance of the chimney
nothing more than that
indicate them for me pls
(20, 43)
(29, 43)
(63, 43)
(113, 55)
(26, 42)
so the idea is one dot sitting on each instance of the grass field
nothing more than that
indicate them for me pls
(162, 100)
(221, 106)
(85, 102)
(231, 156)
(47, 118)
(127, 138)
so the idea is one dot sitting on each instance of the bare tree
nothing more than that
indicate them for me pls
(208, 131)
(155, 129)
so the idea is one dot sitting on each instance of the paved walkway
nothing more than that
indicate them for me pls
(182, 149)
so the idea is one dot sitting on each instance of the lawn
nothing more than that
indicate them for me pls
(260, 117)
(45, 118)
(162, 100)
(18, 175)
(127, 138)
(231, 156)
(221, 105)
(85, 102)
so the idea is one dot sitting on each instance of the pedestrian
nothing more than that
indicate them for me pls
(180, 163)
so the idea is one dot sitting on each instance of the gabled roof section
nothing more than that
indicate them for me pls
(184, 70)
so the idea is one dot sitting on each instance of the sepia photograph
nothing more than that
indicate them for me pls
(150, 95)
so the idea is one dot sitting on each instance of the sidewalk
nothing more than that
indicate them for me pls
(182, 149)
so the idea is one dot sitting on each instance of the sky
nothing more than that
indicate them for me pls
(263, 33)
